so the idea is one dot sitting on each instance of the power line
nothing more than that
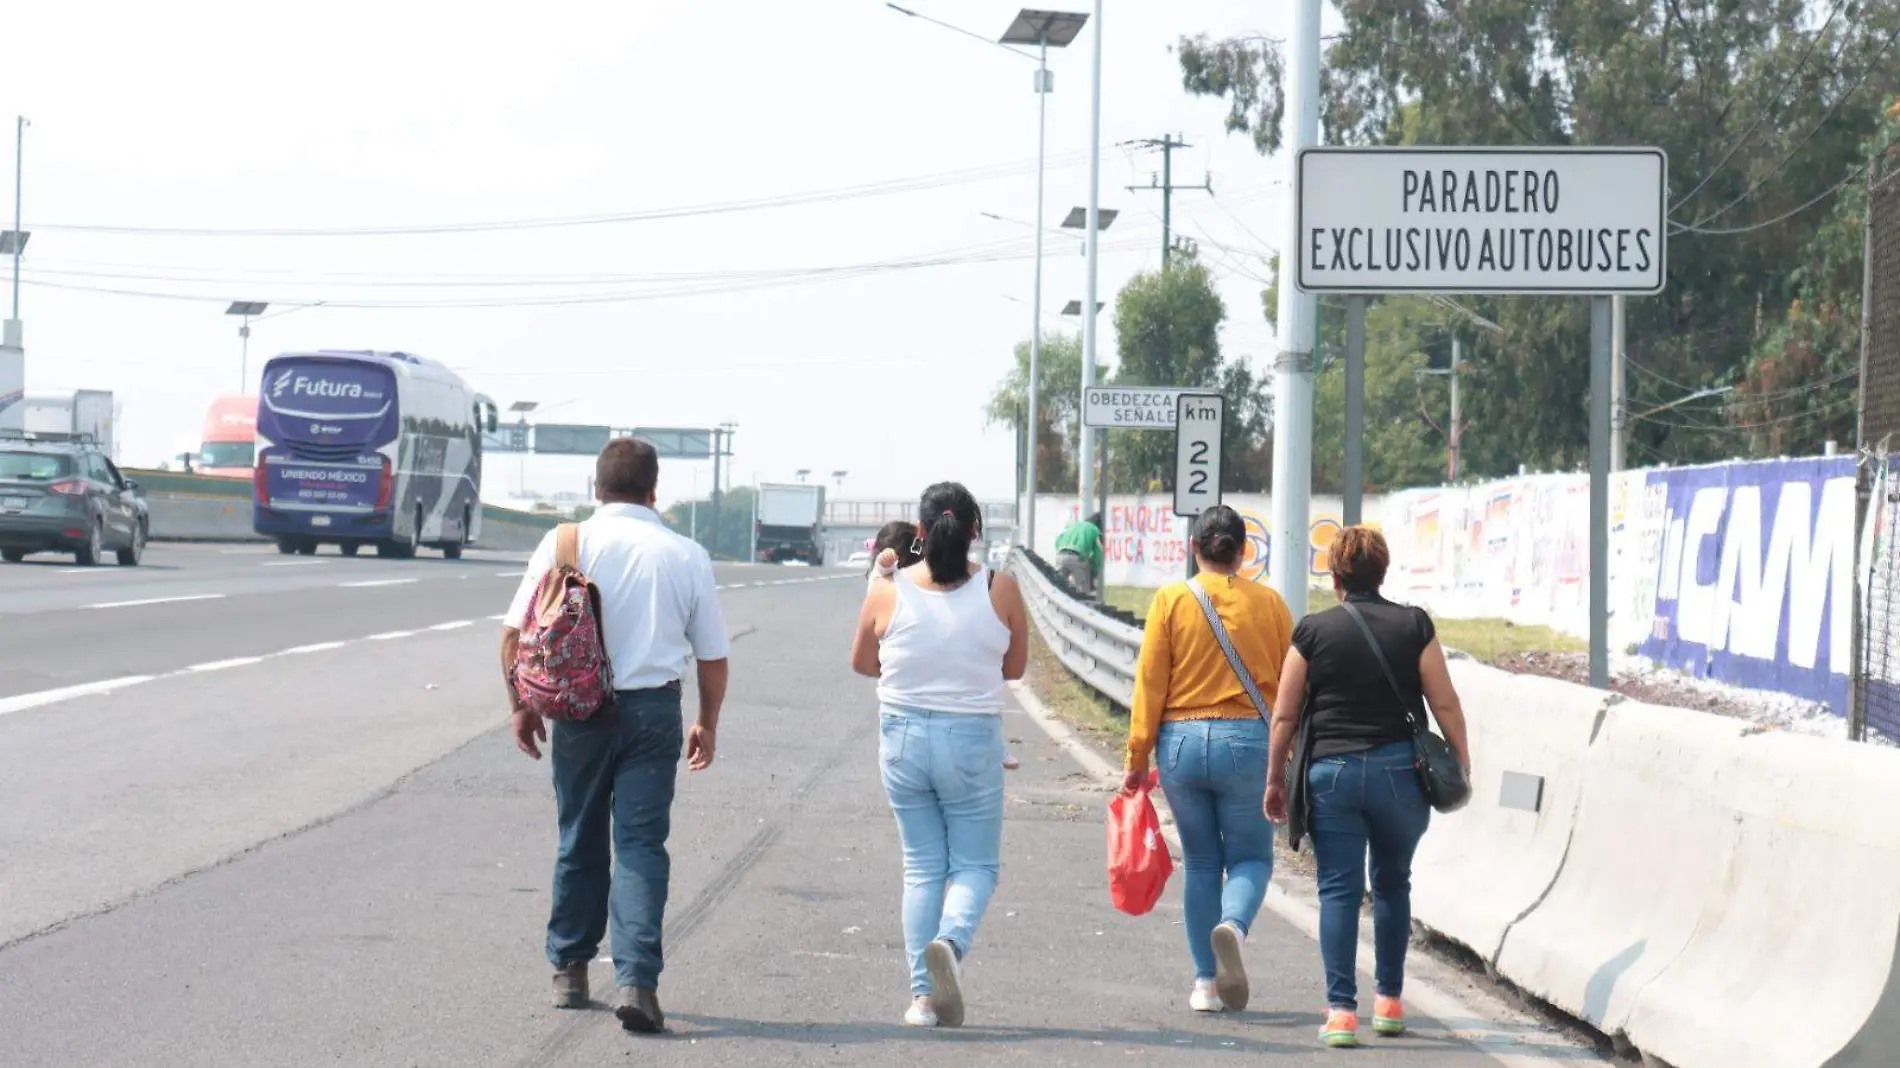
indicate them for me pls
(1831, 410)
(822, 196)
(1872, 66)
(1852, 176)
(1780, 90)
(556, 300)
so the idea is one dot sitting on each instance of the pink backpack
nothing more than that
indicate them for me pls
(561, 667)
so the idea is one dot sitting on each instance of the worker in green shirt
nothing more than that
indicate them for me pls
(1079, 553)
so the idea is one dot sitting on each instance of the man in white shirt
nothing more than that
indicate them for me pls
(614, 773)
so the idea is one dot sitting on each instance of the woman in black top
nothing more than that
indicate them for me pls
(1364, 793)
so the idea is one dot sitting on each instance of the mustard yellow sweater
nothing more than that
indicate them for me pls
(1183, 675)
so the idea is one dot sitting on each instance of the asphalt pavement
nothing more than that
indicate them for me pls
(259, 814)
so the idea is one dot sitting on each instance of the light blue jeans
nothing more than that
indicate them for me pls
(1214, 773)
(943, 774)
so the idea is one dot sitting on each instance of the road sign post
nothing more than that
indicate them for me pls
(1555, 221)
(1197, 457)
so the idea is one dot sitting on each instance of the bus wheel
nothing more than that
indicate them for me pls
(349, 548)
(453, 550)
(285, 546)
(307, 547)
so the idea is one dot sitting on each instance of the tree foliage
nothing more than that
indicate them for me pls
(1769, 110)
(731, 536)
(1058, 407)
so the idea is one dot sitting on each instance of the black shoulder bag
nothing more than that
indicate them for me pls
(1440, 776)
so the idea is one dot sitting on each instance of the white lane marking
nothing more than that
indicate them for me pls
(375, 582)
(293, 563)
(320, 647)
(499, 619)
(1480, 1025)
(22, 702)
(87, 571)
(511, 574)
(220, 665)
(158, 600)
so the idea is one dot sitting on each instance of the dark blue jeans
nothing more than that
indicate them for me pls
(1365, 803)
(613, 785)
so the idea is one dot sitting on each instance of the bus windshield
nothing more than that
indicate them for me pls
(227, 453)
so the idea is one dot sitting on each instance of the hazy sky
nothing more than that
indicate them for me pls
(220, 116)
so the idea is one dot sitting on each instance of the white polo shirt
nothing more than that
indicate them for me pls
(659, 609)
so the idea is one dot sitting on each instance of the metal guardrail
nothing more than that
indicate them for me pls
(1094, 643)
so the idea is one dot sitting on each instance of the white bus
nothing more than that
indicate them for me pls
(368, 448)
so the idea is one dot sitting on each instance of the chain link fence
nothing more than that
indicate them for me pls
(1877, 683)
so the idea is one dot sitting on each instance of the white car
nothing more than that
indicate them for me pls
(859, 559)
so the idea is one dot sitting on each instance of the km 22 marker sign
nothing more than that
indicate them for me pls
(1197, 436)
(1482, 220)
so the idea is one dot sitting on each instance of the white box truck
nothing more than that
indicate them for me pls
(81, 411)
(791, 523)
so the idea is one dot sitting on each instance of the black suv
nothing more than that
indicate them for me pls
(59, 493)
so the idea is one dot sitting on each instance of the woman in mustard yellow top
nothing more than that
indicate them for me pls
(1193, 716)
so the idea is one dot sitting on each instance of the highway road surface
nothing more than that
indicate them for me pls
(262, 810)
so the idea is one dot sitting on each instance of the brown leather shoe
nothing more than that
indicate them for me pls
(570, 986)
(639, 1011)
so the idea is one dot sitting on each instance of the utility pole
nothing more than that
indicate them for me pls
(1457, 435)
(1166, 187)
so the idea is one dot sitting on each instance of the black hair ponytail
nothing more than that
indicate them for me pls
(1221, 535)
(950, 519)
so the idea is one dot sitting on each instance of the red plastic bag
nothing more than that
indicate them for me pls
(1138, 859)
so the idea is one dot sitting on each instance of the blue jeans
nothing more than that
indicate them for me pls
(1365, 802)
(613, 785)
(1214, 773)
(943, 773)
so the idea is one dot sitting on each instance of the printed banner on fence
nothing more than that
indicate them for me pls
(1739, 572)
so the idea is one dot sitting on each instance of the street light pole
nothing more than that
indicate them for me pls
(1086, 467)
(1293, 369)
(1028, 501)
(19, 173)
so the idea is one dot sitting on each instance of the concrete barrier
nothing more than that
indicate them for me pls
(1791, 959)
(1479, 870)
(195, 508)
(179, 518)
(1729, 899)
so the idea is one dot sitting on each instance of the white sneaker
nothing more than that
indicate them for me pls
(1230, 971)
(920, 1014)
(1205, 998)
(946, 982)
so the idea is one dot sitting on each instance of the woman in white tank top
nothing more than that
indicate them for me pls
(941, 638)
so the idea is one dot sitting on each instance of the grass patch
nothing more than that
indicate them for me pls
(1068, 697)
(1486, 640)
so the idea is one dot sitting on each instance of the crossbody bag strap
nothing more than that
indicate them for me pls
(1385, 667)
(1227, 647)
